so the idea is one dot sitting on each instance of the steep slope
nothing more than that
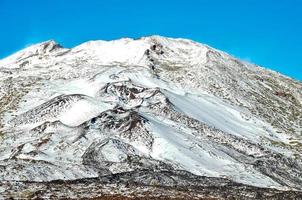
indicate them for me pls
(154, 104)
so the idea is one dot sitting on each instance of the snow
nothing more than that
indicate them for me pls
(89, 67)
(199, 156)
(129, 51)
(81, 112)
(218, 114)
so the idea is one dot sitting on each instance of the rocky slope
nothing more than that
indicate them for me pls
(130, 117)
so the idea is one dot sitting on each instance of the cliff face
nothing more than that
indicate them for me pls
(143, 114)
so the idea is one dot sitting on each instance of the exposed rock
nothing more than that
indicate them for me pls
(95, 122)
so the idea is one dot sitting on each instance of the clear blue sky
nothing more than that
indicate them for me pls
(265, 32)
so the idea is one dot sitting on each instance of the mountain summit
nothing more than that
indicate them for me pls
(151, 117)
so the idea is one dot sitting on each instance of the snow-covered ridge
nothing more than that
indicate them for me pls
(152, 103)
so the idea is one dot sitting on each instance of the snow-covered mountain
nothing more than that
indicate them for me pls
(139, 114)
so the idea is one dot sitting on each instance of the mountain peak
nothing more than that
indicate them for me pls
(50, 45)
(35, 51)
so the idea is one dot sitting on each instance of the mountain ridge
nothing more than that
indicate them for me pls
(54, 42)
